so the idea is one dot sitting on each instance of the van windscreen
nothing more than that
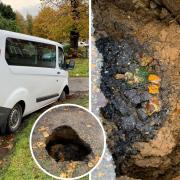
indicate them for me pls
(28, 53)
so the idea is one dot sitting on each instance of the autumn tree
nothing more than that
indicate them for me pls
(29, 24)
(24, 24)
(56, 24)
(44, 23)
(75, 14)
(21, 22)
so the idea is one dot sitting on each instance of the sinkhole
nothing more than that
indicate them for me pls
(64, 144)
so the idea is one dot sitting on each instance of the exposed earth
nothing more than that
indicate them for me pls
(141, 82)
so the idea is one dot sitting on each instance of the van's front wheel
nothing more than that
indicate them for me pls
(14, 119)
(62, 96)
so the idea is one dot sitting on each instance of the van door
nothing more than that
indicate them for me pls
(62, 73)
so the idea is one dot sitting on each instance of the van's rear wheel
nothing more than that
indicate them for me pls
(14, 119)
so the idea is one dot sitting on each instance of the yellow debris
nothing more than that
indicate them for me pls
(154, 79)
(153, 89)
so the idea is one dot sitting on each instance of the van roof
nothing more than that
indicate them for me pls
(4, 33)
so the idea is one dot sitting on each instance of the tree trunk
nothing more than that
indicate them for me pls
(74, 34)
(74, 38)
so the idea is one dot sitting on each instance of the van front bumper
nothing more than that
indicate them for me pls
(4, 113)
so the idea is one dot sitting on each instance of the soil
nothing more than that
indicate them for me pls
(64, 144)
(143, 147)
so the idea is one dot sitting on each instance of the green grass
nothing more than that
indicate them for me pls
(81, 68)
(20, 164)
(82, 100)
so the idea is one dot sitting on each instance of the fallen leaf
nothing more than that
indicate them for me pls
(63, 175)
(1, 162)
(62, 158)
(90, 164)
(154, 105)
(70, 168)
(34, 146)
(154, 79)
(119, 76)
(88, 125)
(10, 138)
(42, 128)
(9, 146)
(41, 144)
(72, 165)
(138, 79)
(93, 66)
(45, 134)
(153, 89)
(145, 60)
(100, 174)
(41, 157)
(129, 76)
(95, 160)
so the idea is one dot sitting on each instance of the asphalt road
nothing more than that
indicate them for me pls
(77, 84)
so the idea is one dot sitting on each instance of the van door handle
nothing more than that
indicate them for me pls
(58, 72)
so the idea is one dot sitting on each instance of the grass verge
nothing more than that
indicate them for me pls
(81, 68)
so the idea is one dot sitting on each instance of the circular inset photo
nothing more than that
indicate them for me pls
(67, 141)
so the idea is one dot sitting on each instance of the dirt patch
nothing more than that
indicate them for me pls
(134, 37)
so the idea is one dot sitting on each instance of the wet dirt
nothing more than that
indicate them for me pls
(143, 147)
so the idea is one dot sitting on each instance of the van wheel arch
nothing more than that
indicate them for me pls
(66, 90)
(64, 93)
(22, 104)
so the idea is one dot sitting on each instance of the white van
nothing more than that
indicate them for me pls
(33, 74)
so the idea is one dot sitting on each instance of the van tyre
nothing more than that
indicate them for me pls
(14, 119)
(63, 96)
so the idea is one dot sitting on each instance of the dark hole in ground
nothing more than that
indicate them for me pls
(126, 102)
(64, 144)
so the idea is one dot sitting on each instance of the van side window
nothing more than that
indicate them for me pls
(60, 57)
(29, 53)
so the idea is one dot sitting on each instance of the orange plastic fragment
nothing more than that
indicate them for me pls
(154, 79)
(153, 89)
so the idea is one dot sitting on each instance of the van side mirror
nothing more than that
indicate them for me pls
(71, 64)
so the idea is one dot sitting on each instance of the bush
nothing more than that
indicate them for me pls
(68, 51)
(82, 52)
(6, 24)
